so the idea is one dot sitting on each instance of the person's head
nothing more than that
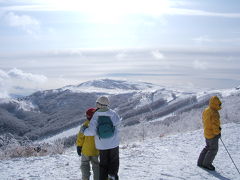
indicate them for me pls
(215, 103)
(90, 112)
(102, 102)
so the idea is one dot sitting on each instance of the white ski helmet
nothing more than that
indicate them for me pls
(102, 101)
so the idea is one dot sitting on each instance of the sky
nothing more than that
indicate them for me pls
(47, 44)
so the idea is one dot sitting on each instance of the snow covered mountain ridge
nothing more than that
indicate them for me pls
(111, 86)
(50, 112)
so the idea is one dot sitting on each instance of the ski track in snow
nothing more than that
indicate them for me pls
(172, 157)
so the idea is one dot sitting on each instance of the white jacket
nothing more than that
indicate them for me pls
(108, 143)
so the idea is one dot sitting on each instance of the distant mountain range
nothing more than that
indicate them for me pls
(49, 112)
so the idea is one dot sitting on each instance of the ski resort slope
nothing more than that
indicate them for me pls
(172, 157)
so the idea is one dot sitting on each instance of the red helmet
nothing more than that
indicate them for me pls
(90, 112)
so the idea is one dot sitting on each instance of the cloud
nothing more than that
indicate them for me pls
(115, 9)
(206, 39)
(122, 55)
(24, 22)
(202, 39)
(20, 75)
(18, 82)
(200, 65)
(3, 86)
(3, 75)
(157, 55)
(194, 12)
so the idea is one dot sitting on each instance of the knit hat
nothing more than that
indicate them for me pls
(90, 112)
(102, 102)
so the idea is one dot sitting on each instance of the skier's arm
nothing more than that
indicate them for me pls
(91, 130)
(216, 124)
(80, 139)
(207, 121)
(80, 136)
(117, 120)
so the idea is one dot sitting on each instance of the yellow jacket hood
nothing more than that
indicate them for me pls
(215, 103)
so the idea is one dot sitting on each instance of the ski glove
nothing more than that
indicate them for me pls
(79, 150)
(218, 136)
(82, 129)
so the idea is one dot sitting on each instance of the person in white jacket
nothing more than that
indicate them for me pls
(104, 126)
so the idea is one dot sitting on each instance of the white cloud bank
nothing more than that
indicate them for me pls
(27, 23)
(115, 9)
(194, 12)
(156, 54)
(207, 39)
(19, 74)
(202, 39)
(17, 81)
(200, 65)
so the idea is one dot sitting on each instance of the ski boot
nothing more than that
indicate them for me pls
(112, 177)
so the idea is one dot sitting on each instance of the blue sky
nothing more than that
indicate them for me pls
(68, 42)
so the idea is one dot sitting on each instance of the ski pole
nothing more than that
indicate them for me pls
(229, 155)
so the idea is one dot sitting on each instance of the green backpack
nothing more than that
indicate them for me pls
(105, 128)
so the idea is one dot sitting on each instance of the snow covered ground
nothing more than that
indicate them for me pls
(172, 157)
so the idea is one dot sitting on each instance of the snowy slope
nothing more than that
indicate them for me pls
(171, 157)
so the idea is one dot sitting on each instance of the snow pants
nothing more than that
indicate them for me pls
(109, 163)
(85, 167)
(209, 152)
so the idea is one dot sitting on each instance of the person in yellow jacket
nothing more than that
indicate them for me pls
(212, 133)
(87, 150)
